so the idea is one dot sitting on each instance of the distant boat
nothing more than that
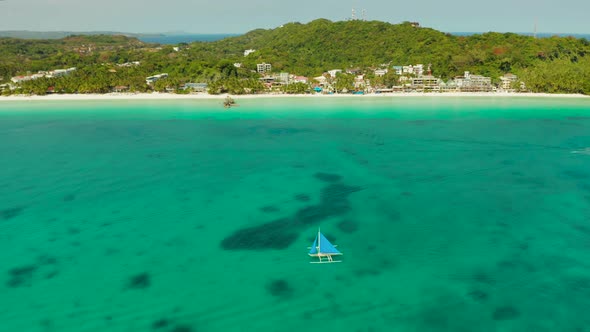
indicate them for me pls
(228, 102)
(323, 249)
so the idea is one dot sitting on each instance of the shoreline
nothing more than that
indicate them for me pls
(169, 96)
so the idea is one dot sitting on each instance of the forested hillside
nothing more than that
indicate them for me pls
(556, 64)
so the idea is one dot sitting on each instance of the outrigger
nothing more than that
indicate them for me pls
(323, 249)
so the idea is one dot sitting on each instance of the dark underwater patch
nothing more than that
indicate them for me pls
(367, 271)
(287, 131)
(277, 131)
(478, 295)
(46, 260)
(327, 177)
(160, 324)
(302, 198)
(277, 234)
(337, 193)
(139, 281)
(182, 328)
(582, 228)
(281, 233)
(21, 276)
(579, 285)
(46, 324)
(483, 278)
(269, 209)
(73, 230)
(348, 226)
(279, 288)
(505, 313)
(313, 214)
(576, 174)
(69, 198)
(10, 213)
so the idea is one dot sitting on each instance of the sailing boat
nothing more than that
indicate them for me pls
(323, 250)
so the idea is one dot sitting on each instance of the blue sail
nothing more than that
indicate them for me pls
(314, 247)
(325, 246)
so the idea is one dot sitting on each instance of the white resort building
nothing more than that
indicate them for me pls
(152, 79)
(262, 68)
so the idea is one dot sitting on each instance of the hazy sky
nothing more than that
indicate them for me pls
(237, 16)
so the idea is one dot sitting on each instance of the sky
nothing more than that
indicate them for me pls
(240, 16)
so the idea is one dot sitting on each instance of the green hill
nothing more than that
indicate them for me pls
(321, 45)
(555, 64)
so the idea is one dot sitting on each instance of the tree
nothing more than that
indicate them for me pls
(344, 82)
(390, 79)
(295, 88)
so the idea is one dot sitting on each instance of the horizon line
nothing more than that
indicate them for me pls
(179, 33)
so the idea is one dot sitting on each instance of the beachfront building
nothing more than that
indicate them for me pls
(197, 87)
(299, 79)
(419, 69)
(322, 80)
(120, 88)
(129, 64)
(360, 83)
(18, 79)
(60, 72)
(267, 80)
(48, 74)
(449, 86)
(480, 83)
(262, 68)
(283, 78)
(425, 83)
(334, 72)
(473, 83)
(354, 71)
(380, 72)
(409, 70)
(151, 79)
(507, 81)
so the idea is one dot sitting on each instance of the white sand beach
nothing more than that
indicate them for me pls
(167, 96)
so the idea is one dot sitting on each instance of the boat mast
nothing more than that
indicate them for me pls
(319, 240)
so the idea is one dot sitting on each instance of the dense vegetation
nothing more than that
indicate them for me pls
(556, 64)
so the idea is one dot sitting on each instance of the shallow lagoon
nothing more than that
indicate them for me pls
(454, 214)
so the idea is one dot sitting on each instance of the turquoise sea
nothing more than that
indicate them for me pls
(453, 214)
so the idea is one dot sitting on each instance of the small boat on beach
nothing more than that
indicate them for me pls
(323, 250)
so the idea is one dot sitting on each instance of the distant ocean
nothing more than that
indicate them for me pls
(539, 35)
(186, 38)
(173, 39)
(453, 214)
(189, 38)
